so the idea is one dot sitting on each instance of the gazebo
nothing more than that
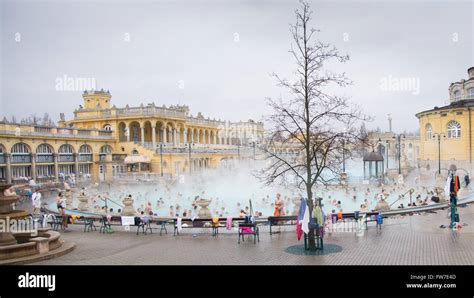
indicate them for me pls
(373, 165)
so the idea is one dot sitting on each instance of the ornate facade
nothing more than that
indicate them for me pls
(99, 139)
(447, 131)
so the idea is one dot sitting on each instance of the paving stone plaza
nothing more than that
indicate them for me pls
(406, 240)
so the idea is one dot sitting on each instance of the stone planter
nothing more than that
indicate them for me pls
(83, 203)
(382, 205)
(204, 212)
(128, 209)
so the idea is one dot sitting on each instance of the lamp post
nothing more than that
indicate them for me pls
(189, 146)
(161, 146)
(398, 139)
(438, 137)
(343, 156)
(379, 150)
(254, 144)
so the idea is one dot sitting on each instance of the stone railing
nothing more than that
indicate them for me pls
(206, 122)
(151, 111)
(84, 157)
(44, 158)
(56, 135)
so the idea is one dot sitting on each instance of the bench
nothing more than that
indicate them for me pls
(56, 222)
(89, 224)
(204, 223)
(281, 221)
(249, 229)
(105, 226)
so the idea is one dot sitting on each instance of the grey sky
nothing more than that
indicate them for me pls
(194, 41)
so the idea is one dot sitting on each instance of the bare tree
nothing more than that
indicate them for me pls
(314, 127)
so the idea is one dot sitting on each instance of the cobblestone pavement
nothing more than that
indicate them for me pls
(407, 240)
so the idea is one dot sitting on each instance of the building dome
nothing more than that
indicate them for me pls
(373, 156)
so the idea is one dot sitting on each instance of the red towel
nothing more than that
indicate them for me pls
(299, 231)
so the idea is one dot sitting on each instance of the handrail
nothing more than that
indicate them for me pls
(105, 200)
(411, 190)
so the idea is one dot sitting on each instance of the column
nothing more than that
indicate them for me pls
(95, 168)
(76, 165)
(153, 137)
(192, 135)
(129, 132)
(185, 135)
(198, 136)
(163, 135)
(56, 167)
(33, 166)
(9, 168)
(174, 136)
(142, 127)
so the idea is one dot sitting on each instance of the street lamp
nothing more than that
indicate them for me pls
(379, 147)
(161, 146)
(343, 155)
(398, 139)
(254, 144)
(189, 146)
(438, 136)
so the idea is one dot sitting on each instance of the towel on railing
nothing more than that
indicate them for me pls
(228, 223)
(179, 225)
(128, 220)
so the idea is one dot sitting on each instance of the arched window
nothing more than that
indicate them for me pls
(44, 149)
(21, 154)
(454, 129)
(85, 149)
(457, 95)
(470, 92)
(429, 131)
(44, 154)
(108, 127)
(66, 154)
(66, 149)
(85, 153)
(410, 146)
(135, 152)
(2, 161)
(106, 149)
(20, 148)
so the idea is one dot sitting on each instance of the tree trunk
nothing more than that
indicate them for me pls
(311, 239)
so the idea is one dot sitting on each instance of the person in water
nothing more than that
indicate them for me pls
(278, 211)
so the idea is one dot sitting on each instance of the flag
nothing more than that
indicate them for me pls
(299, 231)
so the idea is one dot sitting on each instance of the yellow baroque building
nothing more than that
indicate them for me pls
(103, 141)
(446, 133)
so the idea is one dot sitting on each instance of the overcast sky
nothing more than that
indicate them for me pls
(217, 56)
